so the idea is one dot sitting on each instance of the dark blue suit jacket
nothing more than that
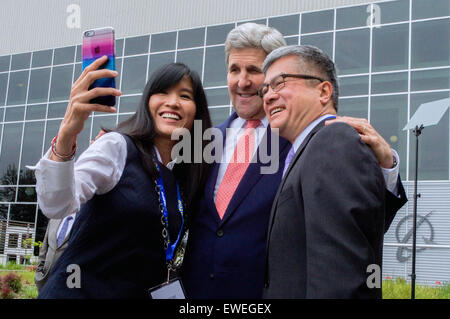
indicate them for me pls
(225, 258)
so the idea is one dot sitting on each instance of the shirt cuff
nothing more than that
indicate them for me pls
(391, 175)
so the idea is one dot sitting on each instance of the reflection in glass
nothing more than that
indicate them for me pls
(64, 55)
(39, 82)
(107, 122)
(27, 194)
(61, 83)
(17, 90)
(3, 215)
(430, 45)
(31, 150)
(7, 194)
(191, 38)
(323, 41)
(20, 61)
(394, 11)
(352, 17)
(192, 58)
(390, 48)
(36, 112)
(158, 60)
(317, 21)
(42, 58)
(41, 227)
(163, 42)
(422, 9)
(388, 83)
(430, 80)
(433, 143)
(9, 155)
(352, 51)
(56, 110)
(354, 85)
(129, 103)
(137, 45)
(3, 84)
(287, 25)
(134, 74)
(15, 113)
(215, 70)
(388, 115)
(23, 213)
(4, 63)
(219, 115)
(218, 34)
(217, 97)
(291, 40)
(356, 107)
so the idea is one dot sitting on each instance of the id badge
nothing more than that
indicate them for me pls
(168, 290)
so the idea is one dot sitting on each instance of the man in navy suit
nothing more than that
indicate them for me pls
(225, 257)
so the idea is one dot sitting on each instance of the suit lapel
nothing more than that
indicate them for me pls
(53, 230)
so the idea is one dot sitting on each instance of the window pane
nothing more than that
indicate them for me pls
(158, 60)
(257, 21)
(119, 70)
(23, 213)
(31, 150)
(219, 115)
(15, 113)
(118, 50)
(394, 11)
(108, 122)
(36, 112)
(287, 25)
(79, 53)
(7, 194)
(4, 63)
(352, 17)
(9, 156)
(291, 40)
(57, 110)
(352, 51)
(134, 74)
(390, 48)
(357, 107)
(61, 83)
(3, 216)
(39, 82)
(429, 43)
(3, 83)
(433, 143)
(50, 131)
(217, 97)
(217, 34)
(430, 80)
(317, 21)
(77, 72)
(163, 42)
(323, 41)
(192, 58)
(215, 70)
(136, 45)
(83, 139)
(391, 82)
(42, 58)
(17, 91)
(191, 38)
(129, 103)
(354, 85)
(21, 61)
(388, 115)
(64, 55)
(422, 9)
(27, 194)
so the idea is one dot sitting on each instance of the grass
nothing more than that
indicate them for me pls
(400, 289)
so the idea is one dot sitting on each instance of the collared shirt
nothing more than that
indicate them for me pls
(237, 128)
(390, 174)
(62, 187)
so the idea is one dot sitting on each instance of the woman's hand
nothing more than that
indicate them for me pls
(79, 108)
(370, 136)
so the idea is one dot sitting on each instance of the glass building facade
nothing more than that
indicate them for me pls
(391, 57)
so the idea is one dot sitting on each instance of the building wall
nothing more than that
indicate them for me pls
(389, 63)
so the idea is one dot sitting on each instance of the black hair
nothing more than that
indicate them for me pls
(141, 128)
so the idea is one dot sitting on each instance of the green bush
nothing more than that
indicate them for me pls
(400, 289)
(12, 266)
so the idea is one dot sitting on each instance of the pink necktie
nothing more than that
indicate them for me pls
(237, 167)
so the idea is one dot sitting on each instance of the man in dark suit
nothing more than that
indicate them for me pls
(225, 257)
(55, 242)
(328, 217)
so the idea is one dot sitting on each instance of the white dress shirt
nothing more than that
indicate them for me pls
(62, 187)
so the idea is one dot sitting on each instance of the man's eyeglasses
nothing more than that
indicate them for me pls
(277, 83)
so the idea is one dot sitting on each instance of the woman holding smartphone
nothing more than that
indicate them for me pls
(132, 198)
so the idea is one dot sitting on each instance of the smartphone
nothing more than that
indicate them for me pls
(97, 43)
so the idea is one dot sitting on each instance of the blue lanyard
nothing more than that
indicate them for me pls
(162, 196)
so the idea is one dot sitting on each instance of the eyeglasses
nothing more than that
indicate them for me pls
(277, 83)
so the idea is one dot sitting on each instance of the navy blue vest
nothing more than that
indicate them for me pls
(116, 239)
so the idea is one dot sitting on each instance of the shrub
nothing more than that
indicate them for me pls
(6, 293)
(13, 282)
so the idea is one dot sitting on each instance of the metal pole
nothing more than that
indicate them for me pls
(417, 131)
